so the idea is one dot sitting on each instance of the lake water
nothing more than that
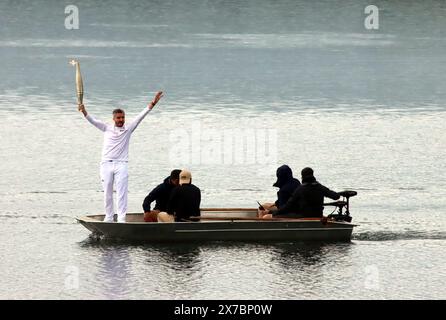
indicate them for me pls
(306, 82)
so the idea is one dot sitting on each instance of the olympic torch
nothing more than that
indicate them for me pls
(79, 83)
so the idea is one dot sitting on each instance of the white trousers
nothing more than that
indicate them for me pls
(115, 172)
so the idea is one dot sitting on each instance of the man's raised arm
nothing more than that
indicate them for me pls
(132, 126)
(97, 123)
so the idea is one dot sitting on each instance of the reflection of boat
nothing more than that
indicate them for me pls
(222, 225)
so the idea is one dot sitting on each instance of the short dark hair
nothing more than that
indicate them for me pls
(307, 172)
(175, 174)
(118, 111)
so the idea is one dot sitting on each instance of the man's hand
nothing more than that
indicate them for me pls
(155, 100)
(262, 213)
(81, 108)
(151, 216)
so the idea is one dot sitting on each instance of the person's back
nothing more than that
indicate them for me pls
(161, 193)
(286, 184)
(307, 200)
(311, 198)
(185, 202)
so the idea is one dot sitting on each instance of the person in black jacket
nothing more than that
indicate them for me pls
(161, 194)
(184, 201)
(307, 200)
(286, 184)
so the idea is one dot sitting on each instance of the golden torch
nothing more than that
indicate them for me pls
(79, 83)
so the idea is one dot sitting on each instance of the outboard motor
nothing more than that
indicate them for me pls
(340, 215)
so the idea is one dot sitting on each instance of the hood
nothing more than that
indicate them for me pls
(167, 180)
(284, 175)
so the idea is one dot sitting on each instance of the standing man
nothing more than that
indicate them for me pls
(115, 156)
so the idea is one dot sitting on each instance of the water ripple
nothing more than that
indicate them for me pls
(391, 236)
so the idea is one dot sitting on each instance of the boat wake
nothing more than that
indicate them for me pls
(405, 235)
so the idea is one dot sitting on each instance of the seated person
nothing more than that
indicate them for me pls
(286, 184)
(161, 194)
(184, 201)
(307, 200)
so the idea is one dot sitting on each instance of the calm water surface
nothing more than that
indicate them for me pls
(366, 109)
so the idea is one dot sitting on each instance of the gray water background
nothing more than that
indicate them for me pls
(364, 108)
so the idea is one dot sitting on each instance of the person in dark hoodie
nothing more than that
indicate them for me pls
(161, 194)
(184, 201)
(286, 184)
(307, 200)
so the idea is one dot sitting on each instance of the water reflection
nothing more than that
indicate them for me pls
(113, 273)
(183, 258)
(298, 256)
(113, 267)
(290, 255)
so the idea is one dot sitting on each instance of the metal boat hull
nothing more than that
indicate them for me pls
(226, 229)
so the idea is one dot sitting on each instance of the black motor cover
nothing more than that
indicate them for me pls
(348, 193)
